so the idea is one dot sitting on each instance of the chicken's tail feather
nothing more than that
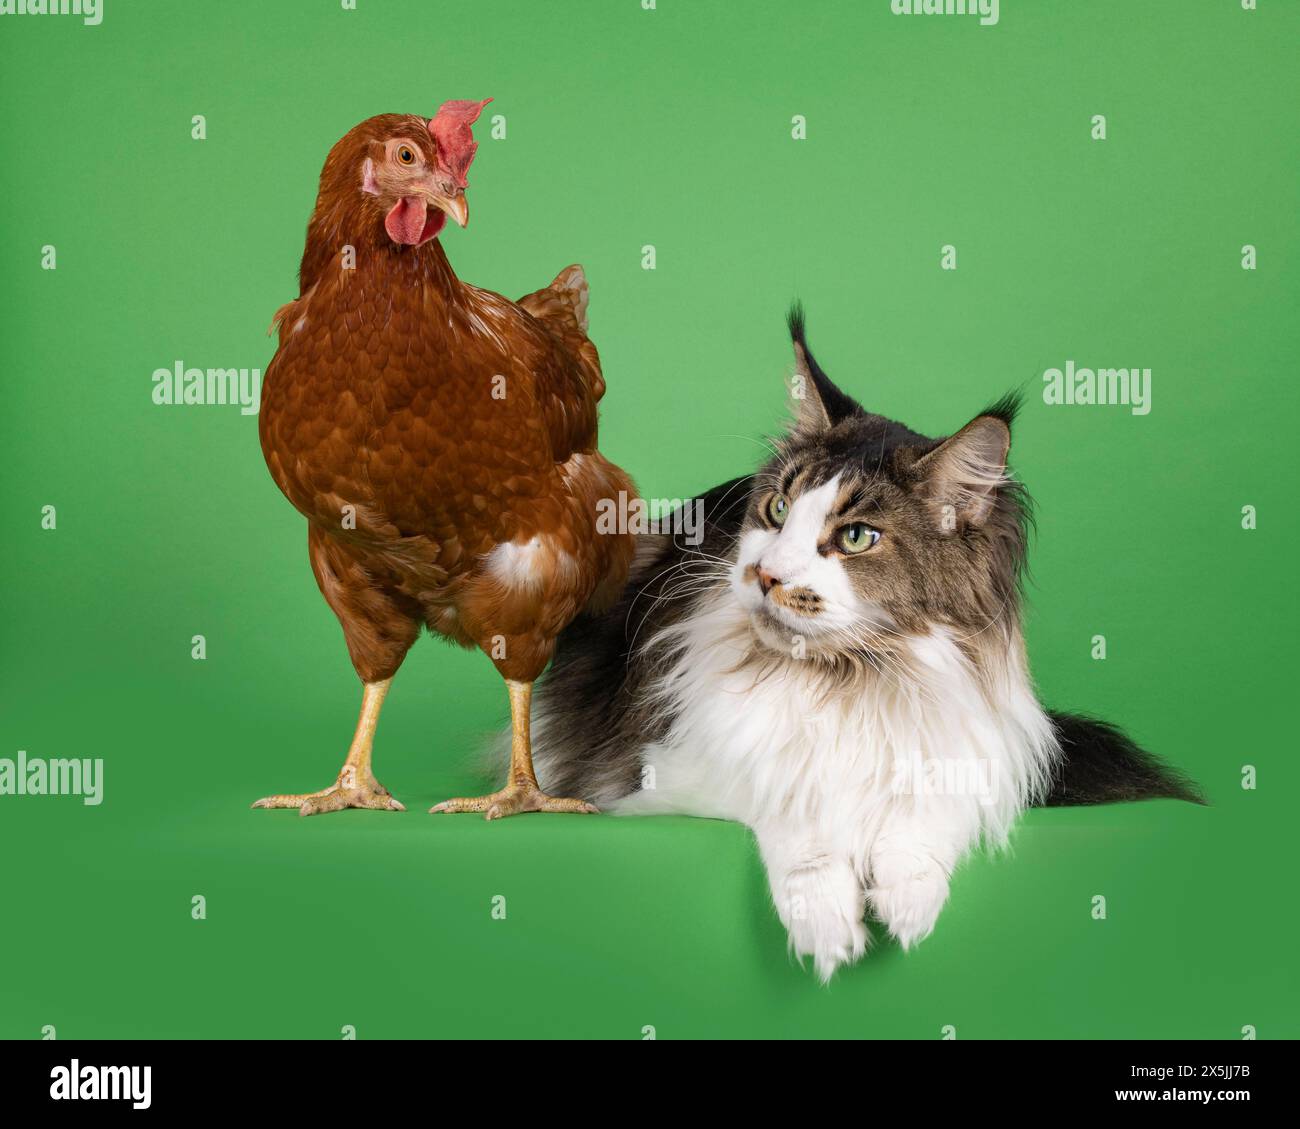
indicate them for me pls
(565, 299)
(278, 320)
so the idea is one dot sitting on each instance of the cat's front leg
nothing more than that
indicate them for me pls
(909, 864)
(818, 895)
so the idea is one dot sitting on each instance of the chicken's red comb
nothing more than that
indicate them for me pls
(450, 127)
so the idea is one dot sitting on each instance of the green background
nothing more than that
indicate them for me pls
(673, 128)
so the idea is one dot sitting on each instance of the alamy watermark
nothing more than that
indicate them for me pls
(181, 385)
(75, 1082)
(917, 775)
(90, 11)
(1106, 386)
(652, 515)
(987, 10)
(35, 776)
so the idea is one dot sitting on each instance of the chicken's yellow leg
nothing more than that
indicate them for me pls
(356, 786)
(521, 792)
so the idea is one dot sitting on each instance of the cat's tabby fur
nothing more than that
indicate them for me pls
(869, 714)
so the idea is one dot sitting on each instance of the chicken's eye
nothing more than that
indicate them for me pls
(778, 509)
(406, 155)
(858, 537)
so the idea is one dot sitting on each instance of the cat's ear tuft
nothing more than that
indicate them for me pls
(1007, 408)
(819, 404)
(961, 477)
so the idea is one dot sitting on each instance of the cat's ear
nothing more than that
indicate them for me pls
(819, 404)
(961, 477)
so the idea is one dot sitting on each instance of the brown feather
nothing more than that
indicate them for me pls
(379, 423)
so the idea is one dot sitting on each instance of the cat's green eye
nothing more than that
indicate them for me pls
(778, 509)
(858, 537)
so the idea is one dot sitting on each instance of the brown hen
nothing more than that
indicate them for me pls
(440, 440)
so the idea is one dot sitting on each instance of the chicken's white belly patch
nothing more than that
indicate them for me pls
(529, 564)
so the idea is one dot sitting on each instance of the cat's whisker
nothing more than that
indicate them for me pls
(764, 442)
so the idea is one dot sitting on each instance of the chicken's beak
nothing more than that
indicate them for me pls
(455, 206)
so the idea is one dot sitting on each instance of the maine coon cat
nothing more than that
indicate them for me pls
(839, 665)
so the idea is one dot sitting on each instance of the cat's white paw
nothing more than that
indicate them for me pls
(822, 905)
(907, 892)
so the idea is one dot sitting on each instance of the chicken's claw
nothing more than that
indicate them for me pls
(514, 799)
(345, 793)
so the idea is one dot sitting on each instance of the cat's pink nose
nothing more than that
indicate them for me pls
(766, 581)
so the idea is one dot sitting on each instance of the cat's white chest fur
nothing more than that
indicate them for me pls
(874, 783)
(758, 743)
(755, 745)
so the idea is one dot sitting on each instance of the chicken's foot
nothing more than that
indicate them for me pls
(356, 786)
(521, 792)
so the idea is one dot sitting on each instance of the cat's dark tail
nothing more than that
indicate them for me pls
(1100, 764)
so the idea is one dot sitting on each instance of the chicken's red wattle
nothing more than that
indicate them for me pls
(410, 222)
